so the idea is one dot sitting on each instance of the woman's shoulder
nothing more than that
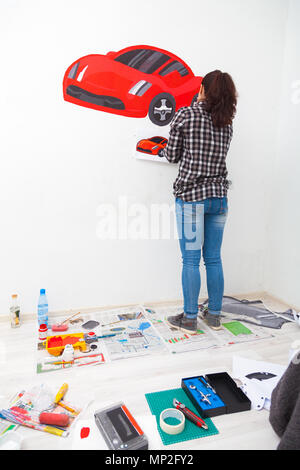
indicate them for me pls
(192, 115)
(196, 108)
(197, 113)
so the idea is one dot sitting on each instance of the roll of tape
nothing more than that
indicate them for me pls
(170, 428)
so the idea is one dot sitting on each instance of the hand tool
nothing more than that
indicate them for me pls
(92, 337)
(59, 396)
(204, 397)
(69, 318)
(207, 384)
(59, 362)
(68, 408)
(55, 419)
(61, 393)
(189, 414)
(75, 359)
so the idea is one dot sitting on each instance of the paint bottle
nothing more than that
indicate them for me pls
(14, 312)
(68, 354)
(43, 308)
(43, 332)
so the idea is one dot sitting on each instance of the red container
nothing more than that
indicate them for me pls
(43, 329)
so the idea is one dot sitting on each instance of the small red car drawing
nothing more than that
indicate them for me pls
(135, 81)
(152, 145)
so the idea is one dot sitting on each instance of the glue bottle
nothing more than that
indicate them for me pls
(15, 319)
(43, 308)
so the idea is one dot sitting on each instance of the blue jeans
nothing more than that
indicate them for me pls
(200, 228)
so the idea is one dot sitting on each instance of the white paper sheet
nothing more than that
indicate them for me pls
(259, 391)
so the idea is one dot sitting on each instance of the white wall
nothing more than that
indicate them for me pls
(282, 272)
(60, 161)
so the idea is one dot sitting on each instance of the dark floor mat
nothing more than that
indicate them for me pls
(254, 312)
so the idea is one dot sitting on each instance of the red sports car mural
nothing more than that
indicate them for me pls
(152, 145)
(135, 81)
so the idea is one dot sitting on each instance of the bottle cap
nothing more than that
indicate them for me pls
(42, 291)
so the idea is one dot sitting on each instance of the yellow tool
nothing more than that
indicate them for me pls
(61, 393)
(59, 396)
(68, 408)
(53, 430)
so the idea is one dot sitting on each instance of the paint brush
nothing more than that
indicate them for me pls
(69, 318)
(63, 326)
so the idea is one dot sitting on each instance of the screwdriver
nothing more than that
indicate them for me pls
(189, 414)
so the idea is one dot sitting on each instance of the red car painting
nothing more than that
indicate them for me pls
(152, 145)
(136, 81)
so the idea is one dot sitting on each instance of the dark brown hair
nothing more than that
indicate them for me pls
(220, 97)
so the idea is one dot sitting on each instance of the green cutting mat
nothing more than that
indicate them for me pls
(159, 401)
(237, 328)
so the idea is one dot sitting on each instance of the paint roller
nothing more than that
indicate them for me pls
(54, 419)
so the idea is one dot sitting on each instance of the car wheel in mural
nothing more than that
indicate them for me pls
(136, 81)
(162, 109)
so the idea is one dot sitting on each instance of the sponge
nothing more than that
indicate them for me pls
(59, 327)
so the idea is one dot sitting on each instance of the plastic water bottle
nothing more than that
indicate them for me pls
(43, 308)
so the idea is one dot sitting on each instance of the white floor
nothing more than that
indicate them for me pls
(129, 380)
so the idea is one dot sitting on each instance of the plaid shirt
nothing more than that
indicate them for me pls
(201, 149)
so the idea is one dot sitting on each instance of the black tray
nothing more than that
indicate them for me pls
(233, 397)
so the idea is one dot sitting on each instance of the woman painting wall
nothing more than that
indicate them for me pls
(199, 140)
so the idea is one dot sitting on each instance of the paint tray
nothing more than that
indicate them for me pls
(159, 401)
(56, 344)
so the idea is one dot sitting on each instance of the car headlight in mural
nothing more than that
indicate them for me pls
(136, 81)
(73, 71)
